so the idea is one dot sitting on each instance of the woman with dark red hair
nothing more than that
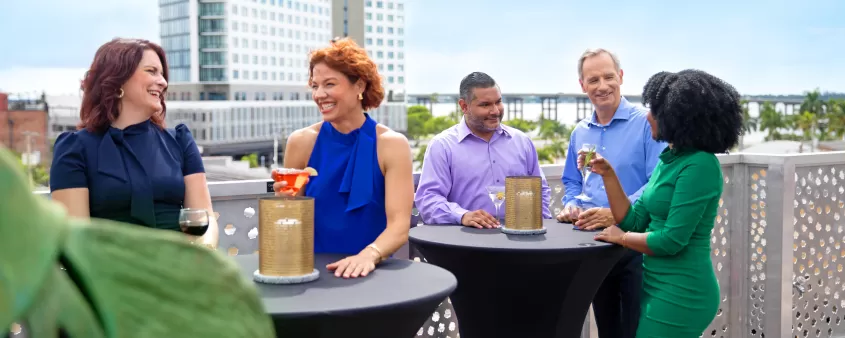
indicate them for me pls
(365, 189)
(123, 164)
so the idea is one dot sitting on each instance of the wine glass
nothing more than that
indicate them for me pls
(590, 149)
(497, 195)
(193, 222)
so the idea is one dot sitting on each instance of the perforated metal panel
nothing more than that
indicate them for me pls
(443, 323)
(720, 255)
(818, 294)
(238, 224)
(757, 267)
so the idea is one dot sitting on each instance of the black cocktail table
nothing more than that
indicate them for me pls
(519, 285)
(392, 301)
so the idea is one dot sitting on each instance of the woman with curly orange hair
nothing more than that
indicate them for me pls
(365, 189)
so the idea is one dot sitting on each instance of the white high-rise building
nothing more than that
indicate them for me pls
(242, 49)
(379, 26)
(256, 52)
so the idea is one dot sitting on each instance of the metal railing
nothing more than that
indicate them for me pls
(778, 245)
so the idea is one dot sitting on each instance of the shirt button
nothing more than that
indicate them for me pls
(494, 161)
(604, 129)
(603, 148)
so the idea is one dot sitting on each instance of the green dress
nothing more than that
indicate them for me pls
(678, 209)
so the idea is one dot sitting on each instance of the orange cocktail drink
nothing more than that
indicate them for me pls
(295, 178)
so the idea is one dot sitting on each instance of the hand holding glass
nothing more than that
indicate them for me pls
(590, 150)
(193, 222)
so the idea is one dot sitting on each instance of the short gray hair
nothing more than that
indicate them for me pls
(595, 52)
(472, 81)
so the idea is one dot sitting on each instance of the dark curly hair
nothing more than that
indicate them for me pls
(694, 109)
(345, 56)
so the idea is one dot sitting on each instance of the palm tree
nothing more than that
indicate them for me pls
(813, 111)
(771, 121)
(749, 124)
(836, 118)
(553, 129)
(806, 123)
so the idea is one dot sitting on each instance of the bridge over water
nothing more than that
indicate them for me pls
(514, 102)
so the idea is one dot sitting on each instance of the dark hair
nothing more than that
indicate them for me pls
(114, 63)
(694, 109)
(345, 56)
(472, 81)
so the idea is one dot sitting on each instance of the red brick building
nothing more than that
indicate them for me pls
(22, 120)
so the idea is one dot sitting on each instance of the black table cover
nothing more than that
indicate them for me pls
(392, 302)
(519, 285)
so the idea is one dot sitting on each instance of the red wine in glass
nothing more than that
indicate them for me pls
(193, 222)
(194, 228)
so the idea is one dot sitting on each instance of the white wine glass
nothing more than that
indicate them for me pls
(590, 149)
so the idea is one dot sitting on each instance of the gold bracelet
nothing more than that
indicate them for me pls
(378, 251)
(625, 240)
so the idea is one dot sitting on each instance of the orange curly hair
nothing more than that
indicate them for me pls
(345, 56)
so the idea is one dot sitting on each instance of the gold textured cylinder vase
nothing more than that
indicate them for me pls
(524, 204)
(286, 240)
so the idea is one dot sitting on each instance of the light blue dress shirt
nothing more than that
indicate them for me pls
(625, 142)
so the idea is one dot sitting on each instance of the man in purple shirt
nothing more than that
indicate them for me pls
(462, 161)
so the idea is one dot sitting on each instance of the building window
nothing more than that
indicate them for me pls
(212, 9)
(212, 26)
(213, 74)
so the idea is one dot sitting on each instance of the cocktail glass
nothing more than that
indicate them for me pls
(295, 178)
(497, 195)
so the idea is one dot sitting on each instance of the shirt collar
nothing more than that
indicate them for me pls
(623, 112)
(670, 154)
(464, 131)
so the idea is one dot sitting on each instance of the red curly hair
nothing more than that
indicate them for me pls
(345, 56)
(113, 65)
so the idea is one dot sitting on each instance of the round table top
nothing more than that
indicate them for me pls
(394, 282)
(559, 237)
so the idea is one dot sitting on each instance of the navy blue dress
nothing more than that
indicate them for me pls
(135, 175)
(349, 190)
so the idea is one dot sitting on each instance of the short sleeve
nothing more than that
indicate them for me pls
(69, 168)
(191, 157)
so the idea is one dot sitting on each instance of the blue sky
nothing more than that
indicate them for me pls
(771, 46)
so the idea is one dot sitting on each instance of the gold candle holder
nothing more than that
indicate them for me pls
(286, 240)
(523, 205)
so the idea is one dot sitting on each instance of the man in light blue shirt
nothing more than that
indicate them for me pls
(621, 133)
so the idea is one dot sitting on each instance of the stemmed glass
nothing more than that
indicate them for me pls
(193, 222)
(590, 149)
(497, 195)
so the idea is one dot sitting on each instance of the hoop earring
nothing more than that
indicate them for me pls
(360, 97)
(120, 96)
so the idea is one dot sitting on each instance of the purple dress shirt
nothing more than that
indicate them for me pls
(458, 166)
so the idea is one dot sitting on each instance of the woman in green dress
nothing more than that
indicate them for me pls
(698, 115)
